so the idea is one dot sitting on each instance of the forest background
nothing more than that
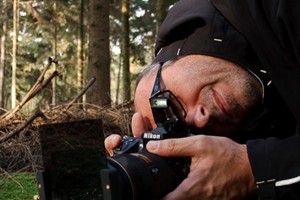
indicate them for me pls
(111, 40)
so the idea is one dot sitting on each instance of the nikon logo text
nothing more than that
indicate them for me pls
(151, 136)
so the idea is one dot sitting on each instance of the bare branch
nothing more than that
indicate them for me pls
(82, 92)
(35, 89)
(22, 126)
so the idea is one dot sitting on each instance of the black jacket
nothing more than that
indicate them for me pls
(273, 29)
(270, 47)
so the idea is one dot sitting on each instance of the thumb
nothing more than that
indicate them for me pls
(179, 147)
(138, 125)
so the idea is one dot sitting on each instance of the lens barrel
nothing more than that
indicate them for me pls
(144, 176)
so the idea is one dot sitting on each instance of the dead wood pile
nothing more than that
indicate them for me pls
(21, 150)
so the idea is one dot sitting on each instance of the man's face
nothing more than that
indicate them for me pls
(216, 95)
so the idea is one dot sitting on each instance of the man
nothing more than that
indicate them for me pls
(221, 83)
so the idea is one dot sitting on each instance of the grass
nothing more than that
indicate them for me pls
(21, 186)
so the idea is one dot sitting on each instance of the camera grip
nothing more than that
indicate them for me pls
(129, 145)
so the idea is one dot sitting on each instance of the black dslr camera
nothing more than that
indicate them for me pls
(135, 174)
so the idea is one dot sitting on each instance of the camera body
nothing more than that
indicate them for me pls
(133, 173)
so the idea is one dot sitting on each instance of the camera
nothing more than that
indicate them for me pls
(133, 173)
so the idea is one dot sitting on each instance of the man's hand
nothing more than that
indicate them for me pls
(220, 168)
(114, 140)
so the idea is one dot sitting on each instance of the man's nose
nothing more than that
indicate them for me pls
(198, 117)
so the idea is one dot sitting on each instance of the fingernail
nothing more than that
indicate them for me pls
(152, 145)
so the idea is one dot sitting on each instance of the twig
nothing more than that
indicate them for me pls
(22, 126)
(84, 89)
(36, 88)
(43, 85)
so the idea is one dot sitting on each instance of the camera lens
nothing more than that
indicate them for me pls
(145, 176)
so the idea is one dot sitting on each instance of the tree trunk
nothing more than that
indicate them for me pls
(98, 52)
(54, 46)
(125, 50)
(2, 53)
(14, 52)
(80, 48)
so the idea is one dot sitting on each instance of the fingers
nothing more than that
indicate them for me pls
(111, 142)
(173, 147)
(213, 157)
(138, 125)
(177, 194)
